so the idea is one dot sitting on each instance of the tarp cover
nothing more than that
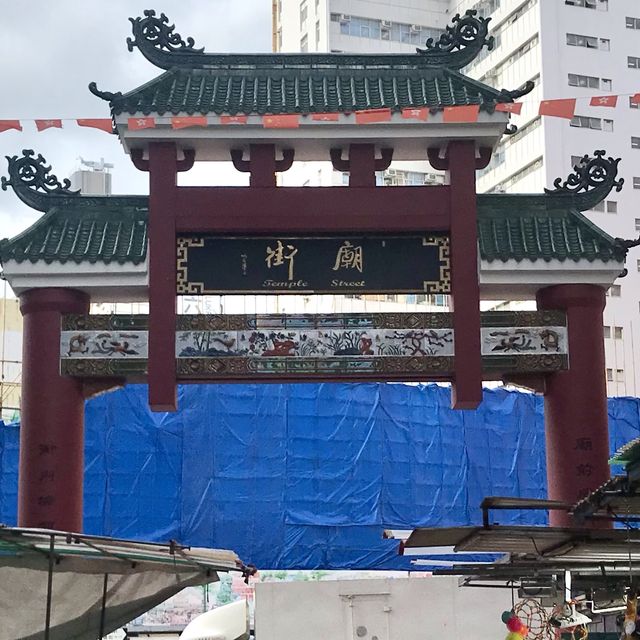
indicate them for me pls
(307, 475)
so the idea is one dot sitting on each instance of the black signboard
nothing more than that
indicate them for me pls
(345, 264)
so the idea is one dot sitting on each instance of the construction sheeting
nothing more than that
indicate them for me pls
(307, 475)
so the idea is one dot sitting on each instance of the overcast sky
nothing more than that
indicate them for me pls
(51, 51)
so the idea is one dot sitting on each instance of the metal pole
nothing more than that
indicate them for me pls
(47, 623)
(104, 605)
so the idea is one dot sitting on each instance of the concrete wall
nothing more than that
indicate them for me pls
(380, 609)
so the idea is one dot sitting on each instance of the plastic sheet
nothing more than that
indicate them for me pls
(307, 475)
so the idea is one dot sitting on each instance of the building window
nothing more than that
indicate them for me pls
(637, 224)
(633, 62)
(610, 206)
(617, 333)
(633, 23)
(633, 102)
(318, 34)
(619, 375)
(304, 43)
(590, 82)
(599, 5)
(638, 264)
(586, 122)
(303, 13)
(636, 185)
(614, 291)
(607, 331)
(609, 375)
(588, 42)
(635, 142)
(384, 29)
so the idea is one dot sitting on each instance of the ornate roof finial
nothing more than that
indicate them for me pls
(159, 43)
(461, 42)
(591, 182)
(33, 184)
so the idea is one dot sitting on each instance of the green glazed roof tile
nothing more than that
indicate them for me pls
(260, 91)
(114, 229)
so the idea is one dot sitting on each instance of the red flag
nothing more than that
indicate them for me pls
(141, 123)
(510, 107)
(635, 98)
(461, 114)
(5, 125)
(234, 119)
(603, 101)
(368, 116)
(565, 108)
(41, 125)
(325, 117)
(419, 113)
(189, 121)
(104, 124)
(281, 122)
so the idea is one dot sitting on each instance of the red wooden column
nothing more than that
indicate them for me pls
(163, 169)
(50, 481)
(465, 288)
(575, 402)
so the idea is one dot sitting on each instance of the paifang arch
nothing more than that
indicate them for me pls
(263, 112)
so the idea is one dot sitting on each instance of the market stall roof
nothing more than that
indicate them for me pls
(546, 236)
(307, 84)
(69, 586)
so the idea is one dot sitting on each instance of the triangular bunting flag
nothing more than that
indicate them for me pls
(564, 108)
(367, 116)
(510, 107)
(41, 125)
(104, 124)
(415, 113)
(461, 114)
(5, 125)
(603, 101)
(325, 117)
(289, 121)
(141, 123)
(188, 121)
(242, 119)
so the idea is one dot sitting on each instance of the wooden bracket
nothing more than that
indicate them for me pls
(137, 157)
(441, 163)
(340, 164)
(244, 166)
(262, 163)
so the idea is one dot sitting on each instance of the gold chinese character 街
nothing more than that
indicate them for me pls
(276, 257)
(349, 257)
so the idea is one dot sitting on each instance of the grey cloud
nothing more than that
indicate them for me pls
(50, 51)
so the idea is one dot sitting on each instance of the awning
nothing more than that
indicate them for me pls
(67, 586)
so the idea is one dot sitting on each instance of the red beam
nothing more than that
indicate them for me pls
(162, 276)
(313, 209)
(465, 288)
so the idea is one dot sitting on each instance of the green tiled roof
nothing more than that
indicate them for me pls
(540, 227)
(281, 89)
(106, 230)
(196, 82)
(114, 229)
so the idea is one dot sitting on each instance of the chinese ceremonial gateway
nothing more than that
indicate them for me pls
(263, 112)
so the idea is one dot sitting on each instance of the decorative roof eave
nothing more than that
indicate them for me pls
(591, 182)
(33, 184)
(158, 41)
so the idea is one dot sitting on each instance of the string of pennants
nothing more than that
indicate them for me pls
(560, 108)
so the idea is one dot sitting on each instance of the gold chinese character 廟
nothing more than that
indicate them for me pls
(349, 257)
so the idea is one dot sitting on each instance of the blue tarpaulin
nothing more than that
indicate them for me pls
(306, 475)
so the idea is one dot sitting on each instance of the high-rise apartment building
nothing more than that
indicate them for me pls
(570, 49)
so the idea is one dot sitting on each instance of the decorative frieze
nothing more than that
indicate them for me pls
(218, 347)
